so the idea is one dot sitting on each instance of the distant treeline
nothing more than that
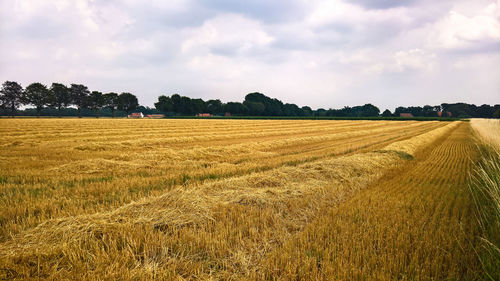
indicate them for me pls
(257, 104)
(54, 101)
(77, 100)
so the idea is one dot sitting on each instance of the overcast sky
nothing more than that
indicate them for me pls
(310, 52)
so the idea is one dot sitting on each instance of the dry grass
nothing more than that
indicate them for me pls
(234, 199)
(488, 131)
(57, 168)
(485, 187)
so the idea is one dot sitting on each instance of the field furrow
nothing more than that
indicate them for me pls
(415, 223)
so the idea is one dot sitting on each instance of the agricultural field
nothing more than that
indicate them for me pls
(106, 199)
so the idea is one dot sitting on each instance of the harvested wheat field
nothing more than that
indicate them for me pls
(102, 199)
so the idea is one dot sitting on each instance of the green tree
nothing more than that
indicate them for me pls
(127, 102)
(307, 111)
(60, 95)
(320, 112)
(186, 106)
(429, 111)
(11, 96)
(96, 102)
(255, 108)
(37, 95)
(386, 113)
(214, 106)
(180, 104)
(290, 109)
(272, 107)
(79, 97)
(460, 109)
(485, 111)
(235, 108)
(111, 101)
(176, 103)
(497, 113)
(198, 106)
(164, 104)
(369, 110)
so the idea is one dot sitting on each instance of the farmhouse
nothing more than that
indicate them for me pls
(155, 116)
(443, 114)
(136, 115)
(405, 115)
(204, 115)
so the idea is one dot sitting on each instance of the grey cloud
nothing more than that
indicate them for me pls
(224, 50)
(264, 10)
(483, 47)
(41, 28)
(382, 4)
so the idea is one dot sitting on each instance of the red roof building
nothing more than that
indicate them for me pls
(447, 113)
(136, 115)
(406, 115)
(204, 115)
(155, 116)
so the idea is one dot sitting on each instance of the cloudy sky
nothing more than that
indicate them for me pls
(322, 53)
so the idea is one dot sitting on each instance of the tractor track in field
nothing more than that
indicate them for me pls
(415, 223)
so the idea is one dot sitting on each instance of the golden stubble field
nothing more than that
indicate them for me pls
(236, 199)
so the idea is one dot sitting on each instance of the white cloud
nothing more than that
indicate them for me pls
(227, 34)
(339, 12)
(415, 59)
(459, 31)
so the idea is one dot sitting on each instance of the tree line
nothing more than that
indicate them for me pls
(59, 96)
(460, 110)
(257, 104)
(57, 99)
